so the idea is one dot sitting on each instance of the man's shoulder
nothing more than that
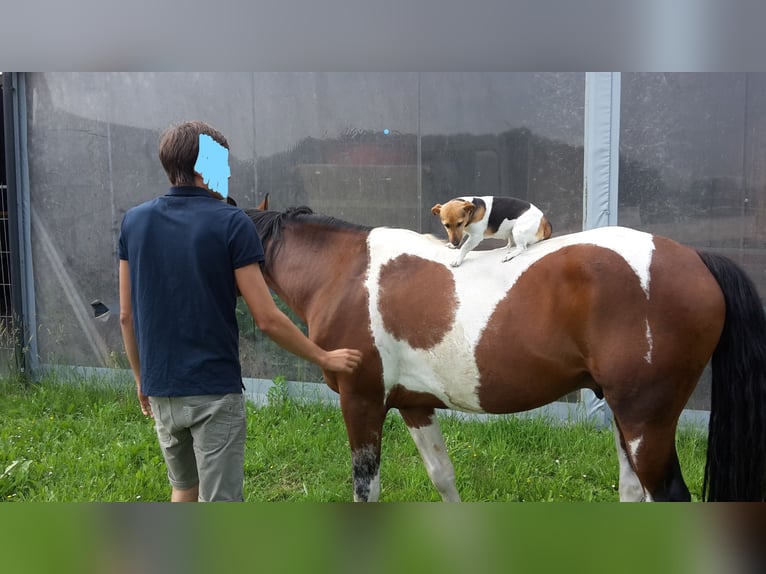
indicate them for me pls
(143, 207)
(240, 216)
(229, 212)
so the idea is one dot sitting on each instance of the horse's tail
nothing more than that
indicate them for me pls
(736, 453)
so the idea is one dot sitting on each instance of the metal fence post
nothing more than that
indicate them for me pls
(23, 292)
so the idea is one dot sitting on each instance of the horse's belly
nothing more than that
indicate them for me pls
(447, 371)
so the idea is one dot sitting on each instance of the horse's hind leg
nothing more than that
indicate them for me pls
(649, 467)
(426, 432)
(630, 487)
(364, 425)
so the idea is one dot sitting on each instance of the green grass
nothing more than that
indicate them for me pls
(88, 441)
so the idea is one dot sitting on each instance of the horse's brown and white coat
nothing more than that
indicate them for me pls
(434, 348)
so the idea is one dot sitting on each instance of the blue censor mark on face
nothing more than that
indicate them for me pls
(213, 165)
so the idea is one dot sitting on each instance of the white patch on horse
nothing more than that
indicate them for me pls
(634, 445)
(375, 487)
(649, 342)
(448, 370)
(433, 451)
(630, 487)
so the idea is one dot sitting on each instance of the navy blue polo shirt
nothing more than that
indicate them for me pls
(182, 250)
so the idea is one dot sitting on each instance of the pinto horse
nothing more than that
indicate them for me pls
(634, 317)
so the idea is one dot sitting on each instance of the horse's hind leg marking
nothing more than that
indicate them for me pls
(430, 442)
(645, 472)
(630, 486)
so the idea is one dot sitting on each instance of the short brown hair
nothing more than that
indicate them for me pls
(179, 148)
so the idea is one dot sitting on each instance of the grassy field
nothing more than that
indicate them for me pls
(89, 442)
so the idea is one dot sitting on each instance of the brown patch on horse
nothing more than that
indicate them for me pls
(531, 355)
(593, 326)
(544, 230)
(419, 316)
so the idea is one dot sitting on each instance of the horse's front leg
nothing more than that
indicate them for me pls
(426, 432)
(364, 424)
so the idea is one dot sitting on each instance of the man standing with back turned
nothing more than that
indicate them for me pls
(182, 258)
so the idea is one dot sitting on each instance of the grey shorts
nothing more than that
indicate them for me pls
(203, 441)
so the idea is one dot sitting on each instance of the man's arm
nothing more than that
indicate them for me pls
(278, 326)
(129, 335)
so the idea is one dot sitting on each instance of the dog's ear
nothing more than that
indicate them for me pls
(436, 209)
(468, 207)
(264, 205)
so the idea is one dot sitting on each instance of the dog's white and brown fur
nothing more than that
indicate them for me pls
(515, 220)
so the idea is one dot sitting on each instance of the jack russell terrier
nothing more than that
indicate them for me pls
(516, 220)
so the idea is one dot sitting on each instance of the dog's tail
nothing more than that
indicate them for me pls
(544, 230)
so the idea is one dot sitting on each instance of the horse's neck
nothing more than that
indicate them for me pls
(312, 263)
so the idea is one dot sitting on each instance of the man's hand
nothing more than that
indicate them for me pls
(342, 360)
(143, 400)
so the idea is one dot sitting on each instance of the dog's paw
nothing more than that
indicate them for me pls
(451, 246)
(455, 263)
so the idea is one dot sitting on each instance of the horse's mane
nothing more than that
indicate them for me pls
(270, 224)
